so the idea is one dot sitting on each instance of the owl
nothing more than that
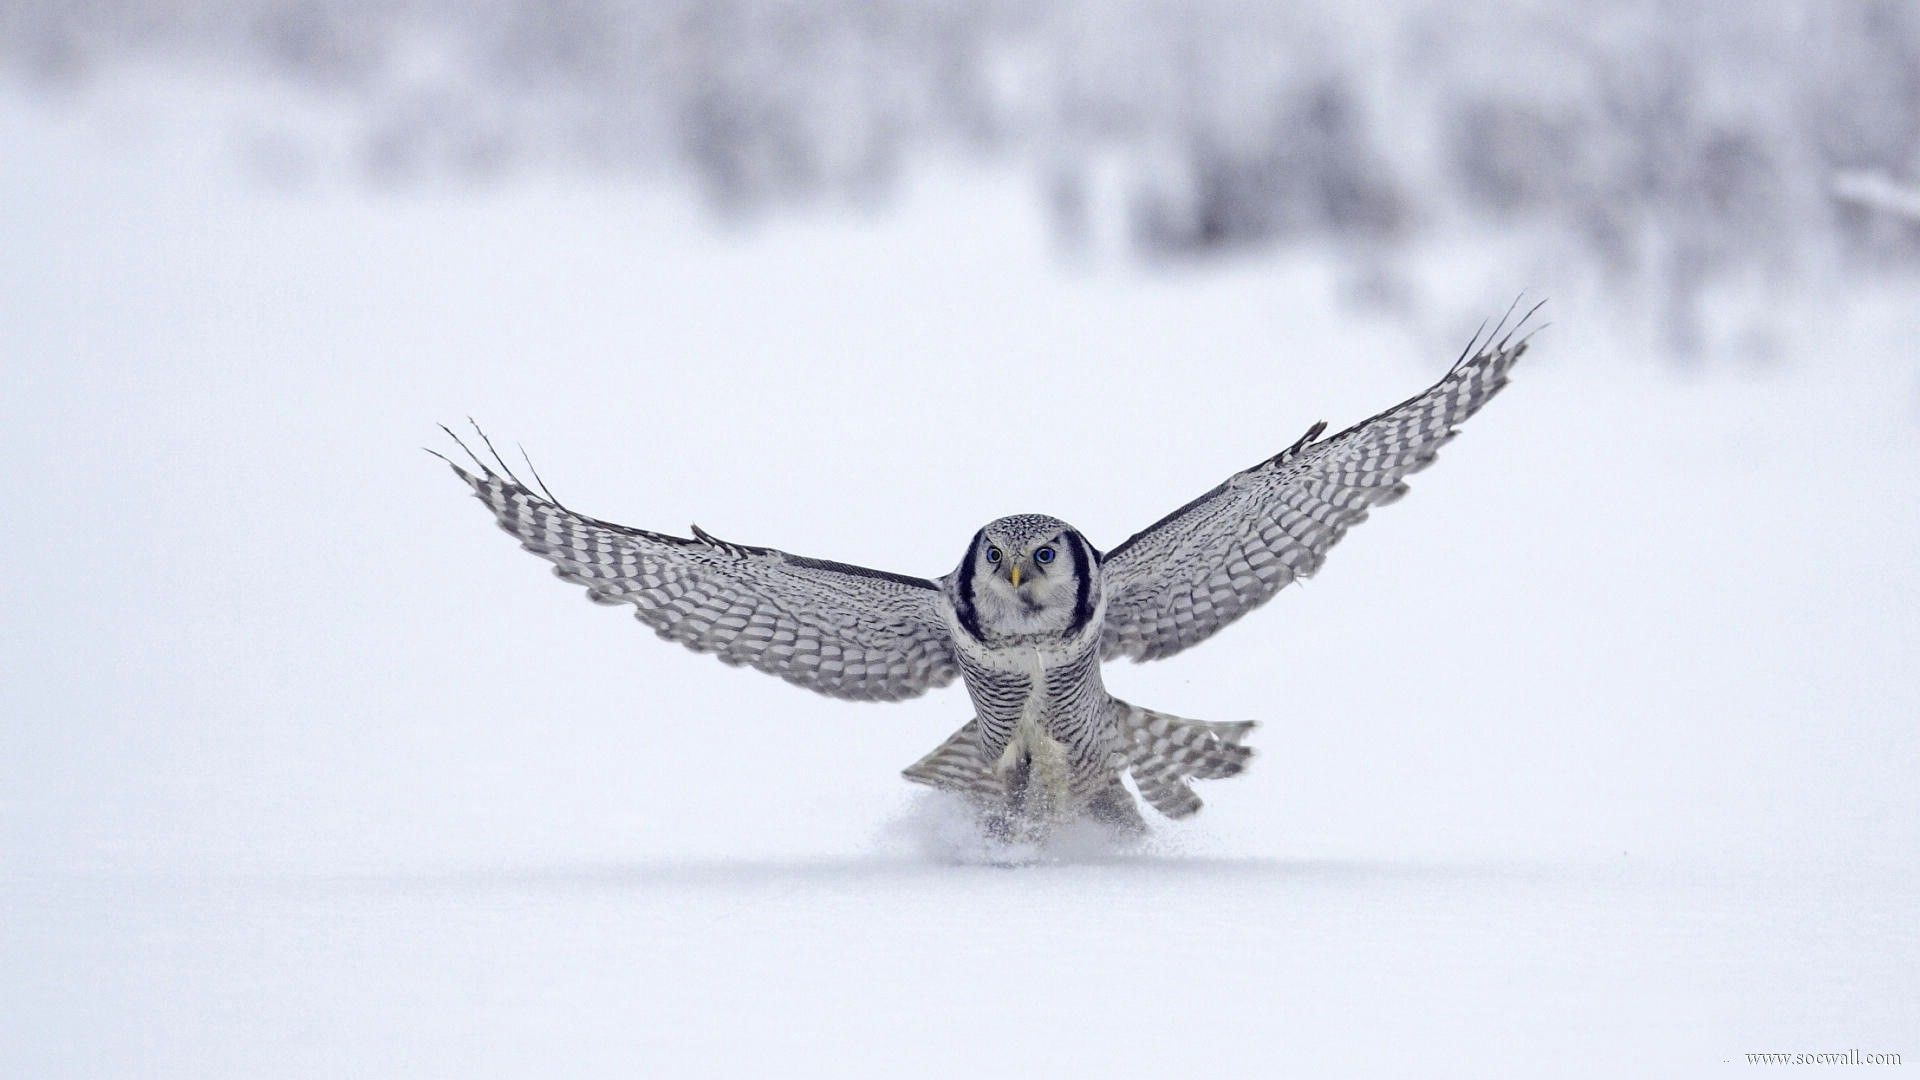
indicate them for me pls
(1028, 616)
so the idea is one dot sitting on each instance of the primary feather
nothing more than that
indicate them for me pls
(1182, 579)
(845, 631)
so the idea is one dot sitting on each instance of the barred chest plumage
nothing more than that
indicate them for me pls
(1043, 714)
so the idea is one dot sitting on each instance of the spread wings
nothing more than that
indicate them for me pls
(841, 630)
(1227, 552)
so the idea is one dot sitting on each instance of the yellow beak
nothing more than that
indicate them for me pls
(1016, 575)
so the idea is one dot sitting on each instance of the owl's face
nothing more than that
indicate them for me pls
(1029, 574)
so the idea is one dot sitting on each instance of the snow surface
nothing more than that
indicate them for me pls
(1595, 756)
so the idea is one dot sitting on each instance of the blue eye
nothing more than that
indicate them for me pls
(993, 554)
(1043, 556)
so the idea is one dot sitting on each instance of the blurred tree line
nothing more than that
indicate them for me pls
(1669, 146)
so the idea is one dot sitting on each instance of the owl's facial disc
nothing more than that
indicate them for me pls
(1023, 569)
(1027, 574)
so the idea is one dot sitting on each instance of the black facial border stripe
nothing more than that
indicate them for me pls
(963, 590)
(1083, 583)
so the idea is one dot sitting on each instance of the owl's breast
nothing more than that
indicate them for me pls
(1043, 712)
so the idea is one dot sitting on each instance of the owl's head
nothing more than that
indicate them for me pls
(1027, 574)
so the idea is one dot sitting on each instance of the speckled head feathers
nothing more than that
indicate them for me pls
(1023, 532)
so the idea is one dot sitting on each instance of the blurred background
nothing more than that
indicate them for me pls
(1693, 166)
(1601, 742)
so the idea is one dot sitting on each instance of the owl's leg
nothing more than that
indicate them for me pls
(1020, 817)
(1027, 810)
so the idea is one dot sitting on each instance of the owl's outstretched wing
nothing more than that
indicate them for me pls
(841, 630)
(1220, 556)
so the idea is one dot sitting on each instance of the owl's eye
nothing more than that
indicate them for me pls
(1043, 556)
(993, 554)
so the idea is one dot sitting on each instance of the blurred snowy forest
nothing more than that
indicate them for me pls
(1664, 152)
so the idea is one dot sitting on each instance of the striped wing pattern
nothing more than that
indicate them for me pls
(1229, 551)
(844, 631)
(1167, 751)
(958, 765)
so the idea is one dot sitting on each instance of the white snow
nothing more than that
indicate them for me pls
(1594, 756)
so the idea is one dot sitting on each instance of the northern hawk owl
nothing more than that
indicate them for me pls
(1029, 615)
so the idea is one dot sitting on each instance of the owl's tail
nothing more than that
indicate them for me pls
(1164, 752)
(957, 765)
(1161, 751)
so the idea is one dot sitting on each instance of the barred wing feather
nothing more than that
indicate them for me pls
(1188, 575)
(844, 631)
